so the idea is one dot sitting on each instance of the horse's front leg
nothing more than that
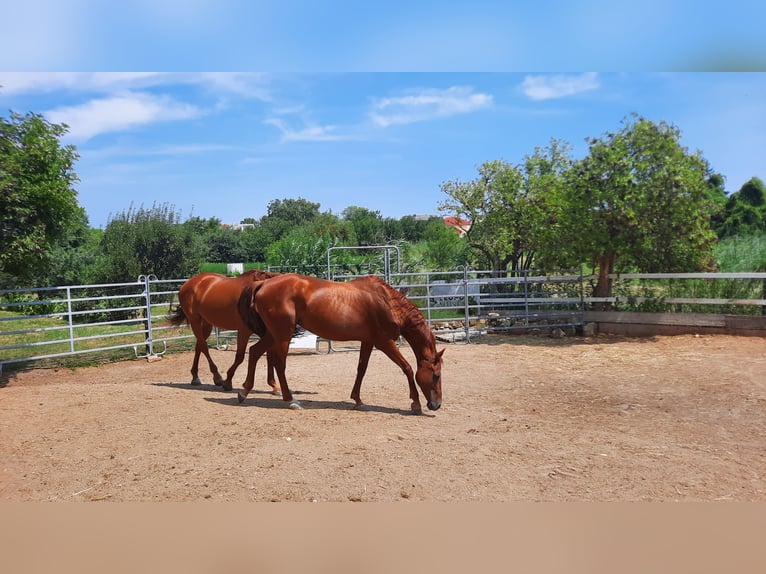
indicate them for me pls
(392, 352)
(361, 369)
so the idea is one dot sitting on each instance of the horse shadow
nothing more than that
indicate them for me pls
(274, 402)
(266, 399)
(216, 389)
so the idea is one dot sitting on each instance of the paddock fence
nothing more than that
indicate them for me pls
(47, 324)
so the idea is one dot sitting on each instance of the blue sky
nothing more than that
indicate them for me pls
(225, 144)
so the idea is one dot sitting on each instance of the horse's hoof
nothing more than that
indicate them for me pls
(226, 387)
(296, 406)
(196, 382)
(240, 397)
(360, 407)
(416, 408)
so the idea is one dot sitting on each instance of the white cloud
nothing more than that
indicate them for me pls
(313, 133)
(119, 113)
(428, 105)
(558, 86)
(236, 83)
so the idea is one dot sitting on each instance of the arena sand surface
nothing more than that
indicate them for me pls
(524, 418)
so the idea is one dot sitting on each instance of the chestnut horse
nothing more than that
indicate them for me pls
(211, 300)
(367, 310)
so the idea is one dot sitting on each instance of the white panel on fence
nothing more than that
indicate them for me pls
(235, 268)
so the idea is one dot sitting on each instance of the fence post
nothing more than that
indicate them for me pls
(69, 318)
(148, 314)
(467, 324)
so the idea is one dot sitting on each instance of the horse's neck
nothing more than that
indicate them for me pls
(416, 332)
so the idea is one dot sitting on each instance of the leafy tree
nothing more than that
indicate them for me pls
(444, 248)
(282, 215)
(544, 175)
(300, 250)
(255, 242)
(78, 260)
(367, 225)
(38, 203)
(150, 241)
(226, 246)
(745, 211)
(496, 206)
(717, 196)
(413, 228)
(639, 198)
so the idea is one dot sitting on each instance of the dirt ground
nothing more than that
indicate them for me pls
(524, 418)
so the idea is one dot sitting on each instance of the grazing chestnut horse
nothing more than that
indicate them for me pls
(211, 300)
(367, 310)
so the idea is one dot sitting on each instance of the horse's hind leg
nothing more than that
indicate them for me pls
(270, 378)
(256, 350)
(202, 331)
(361, 369)
(195, 365)
(279, 358)
(243, 338)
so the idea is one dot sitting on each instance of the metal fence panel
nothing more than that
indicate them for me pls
(52, 322)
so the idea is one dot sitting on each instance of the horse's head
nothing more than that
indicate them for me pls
(429, 378)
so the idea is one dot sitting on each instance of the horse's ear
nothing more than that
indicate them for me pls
(439, 354)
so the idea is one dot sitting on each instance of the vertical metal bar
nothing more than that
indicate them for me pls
(148, 315)
(428, 297)
(465, 306)
(69, 318)
(526, 298)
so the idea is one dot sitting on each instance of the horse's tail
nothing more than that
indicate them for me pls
(246, 309)
(176, 315)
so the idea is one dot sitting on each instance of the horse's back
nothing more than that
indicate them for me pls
(353, 310)
(213, 298)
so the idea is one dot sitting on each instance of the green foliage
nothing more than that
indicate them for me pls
(444, 249)
(639, 201)
(742, 253)
(367, 226)
(150, 241)
(38, 203)
(299, 250)
(497, 206)
(744, 212)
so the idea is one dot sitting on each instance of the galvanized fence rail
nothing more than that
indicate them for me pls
(52, 322)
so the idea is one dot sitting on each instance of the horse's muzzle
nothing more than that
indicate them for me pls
(432, 406)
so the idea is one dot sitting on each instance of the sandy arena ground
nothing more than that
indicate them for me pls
(525, 418)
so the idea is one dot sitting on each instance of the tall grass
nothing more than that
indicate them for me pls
(742, 253)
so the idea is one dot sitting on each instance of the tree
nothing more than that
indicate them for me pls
(300, 251)
(496, 206)
(226, 246)
(38, 203)
(544, 174)
(282, 215)
(150, 241)
(744, 212)
(641, 199)
(367, 225)
(444, 248)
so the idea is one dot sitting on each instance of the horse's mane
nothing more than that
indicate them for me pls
(411, 320)
(259, 274)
